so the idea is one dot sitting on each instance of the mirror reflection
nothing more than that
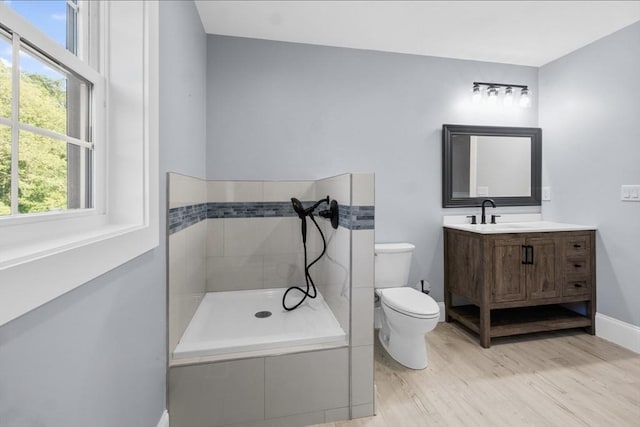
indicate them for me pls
(503, 163)
(490, 166)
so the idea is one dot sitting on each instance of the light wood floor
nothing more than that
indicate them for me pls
(563, 379)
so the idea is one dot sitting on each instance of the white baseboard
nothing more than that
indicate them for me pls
(618, 332)
(441, 306)
(164, 419)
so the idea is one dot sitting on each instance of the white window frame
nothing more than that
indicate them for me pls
(30, 35)
(43, 256)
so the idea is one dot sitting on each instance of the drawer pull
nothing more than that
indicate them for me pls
(577, 265)
(578, 285)
(576, 245)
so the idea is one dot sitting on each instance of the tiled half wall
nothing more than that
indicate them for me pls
(237, 235)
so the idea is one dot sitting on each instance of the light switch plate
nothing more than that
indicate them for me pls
(546, 193)
(630, 193)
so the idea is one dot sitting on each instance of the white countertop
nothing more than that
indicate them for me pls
(514, 224)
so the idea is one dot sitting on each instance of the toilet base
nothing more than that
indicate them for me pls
(408, 351)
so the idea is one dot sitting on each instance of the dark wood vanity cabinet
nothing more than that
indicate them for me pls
(515, 283)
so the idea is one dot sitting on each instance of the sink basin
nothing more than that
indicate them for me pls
(495, 227)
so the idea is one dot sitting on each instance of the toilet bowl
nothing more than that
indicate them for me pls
(405, 314)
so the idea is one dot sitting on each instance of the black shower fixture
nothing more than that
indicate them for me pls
(332, 214)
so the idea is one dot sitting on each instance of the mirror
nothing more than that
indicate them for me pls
(491, 162)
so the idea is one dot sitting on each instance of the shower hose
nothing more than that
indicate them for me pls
(311, 291)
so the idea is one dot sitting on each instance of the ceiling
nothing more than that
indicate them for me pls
(515, 32)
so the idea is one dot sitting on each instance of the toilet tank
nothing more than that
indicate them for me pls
(392, 264)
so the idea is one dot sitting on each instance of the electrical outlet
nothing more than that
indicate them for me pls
(546, 193)
(630, 193)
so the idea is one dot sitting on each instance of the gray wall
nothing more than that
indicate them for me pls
(590, 108)
(97, 355)
(183, 103)
(292, 111)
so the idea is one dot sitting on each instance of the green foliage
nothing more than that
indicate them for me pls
(5, 170)
(42, 161)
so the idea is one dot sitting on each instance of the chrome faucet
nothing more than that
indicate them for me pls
(483, 218)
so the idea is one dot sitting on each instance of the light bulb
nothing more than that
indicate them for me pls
(492, 95)
(508, 97)
(476, 95)
(525, 100)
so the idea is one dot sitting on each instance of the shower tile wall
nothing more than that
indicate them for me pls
(187, 251)
(362, 280)
(272, 391)
(346, 277)
(240, 244)
(247, 252)
(333, 272)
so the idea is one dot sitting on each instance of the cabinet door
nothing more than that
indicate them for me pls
(509, 271)
(544, 275)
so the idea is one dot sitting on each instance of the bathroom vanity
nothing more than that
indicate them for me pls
(520, 277)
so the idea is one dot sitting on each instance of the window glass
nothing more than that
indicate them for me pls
(6, 58)
(49, 134)
(42, 174)
(50, 16)
(5, 170)
(42, 94)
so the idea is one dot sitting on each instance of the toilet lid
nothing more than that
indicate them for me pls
(410, 301)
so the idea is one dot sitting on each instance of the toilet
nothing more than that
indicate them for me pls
(404, 314)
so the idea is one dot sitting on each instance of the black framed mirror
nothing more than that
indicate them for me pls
(491, 162)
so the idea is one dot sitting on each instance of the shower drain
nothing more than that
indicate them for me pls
(262, 314)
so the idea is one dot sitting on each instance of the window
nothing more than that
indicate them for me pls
(103, 146)
(46, 149)
(58, 19)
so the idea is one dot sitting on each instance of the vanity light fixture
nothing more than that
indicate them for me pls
(508, 97)
(492, 95)
(493, 92)
(476, 96)
(525, 100)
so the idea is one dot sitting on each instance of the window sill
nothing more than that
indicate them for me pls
(35, 273)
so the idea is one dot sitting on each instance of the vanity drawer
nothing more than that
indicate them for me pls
(578, 266)
(577, 246)
(576, 284)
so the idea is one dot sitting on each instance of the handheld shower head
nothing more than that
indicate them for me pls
(297, 206)
(333, 215)
(302, 214)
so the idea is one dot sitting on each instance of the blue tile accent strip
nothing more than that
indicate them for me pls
(351, 217)
(184, 216)
(357, 217)
(251, 210)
